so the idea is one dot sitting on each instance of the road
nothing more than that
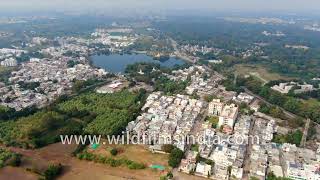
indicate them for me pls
(178, 53)
(246, 164)
(195, 129)
(282, 162)
(305, 133)
(287, 113)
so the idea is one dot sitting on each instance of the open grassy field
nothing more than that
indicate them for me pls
(259, 72)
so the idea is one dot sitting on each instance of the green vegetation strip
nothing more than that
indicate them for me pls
(110, 161)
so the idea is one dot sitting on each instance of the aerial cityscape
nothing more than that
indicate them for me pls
(169, 90)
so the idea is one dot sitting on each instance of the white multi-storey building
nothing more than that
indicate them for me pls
(9, 62)
(228, 116)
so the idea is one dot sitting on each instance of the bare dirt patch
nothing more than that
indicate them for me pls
(15, 173)
(75, 169)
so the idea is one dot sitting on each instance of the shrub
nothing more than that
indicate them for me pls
(113, 151)
(170, 175)
(135, 165)
(52, 172)
(14, 160)
(9, 158)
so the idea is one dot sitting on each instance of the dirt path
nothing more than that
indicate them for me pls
(246, 164)
(183, 176)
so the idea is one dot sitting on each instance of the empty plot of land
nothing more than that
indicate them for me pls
(83, 170)
(184, 176)
(259, 72)
(76, 169)
(15, 173)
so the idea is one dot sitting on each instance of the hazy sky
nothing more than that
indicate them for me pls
(136, 5)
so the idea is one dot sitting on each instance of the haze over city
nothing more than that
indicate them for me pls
(163, 5)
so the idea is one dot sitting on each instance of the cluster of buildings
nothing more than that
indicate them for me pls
(39, 40)
(283, 160)
(67, 49)
(6, 52)
(215, 61)
(189, 163)
(194, 53)
(253, 51)
(259, 153)
(39, 81)
(8, 56)
(297, 88)
(5, 34)
(229, 158)
(201, 82)
(277, 34)
(300, 163)
(243, 98)
(258, 162)
(167, 117)
(196, 49)
(10, 62)
(228, 112)
(221, 160)
(238, 161)
(101, 41)
(259, 20)
(314, 27)
(52, 77)
(115, 38)
(297, 47)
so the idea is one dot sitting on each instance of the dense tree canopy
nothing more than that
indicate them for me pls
(91, 113)
(175, 157)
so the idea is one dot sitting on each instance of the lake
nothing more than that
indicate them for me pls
(117, 63)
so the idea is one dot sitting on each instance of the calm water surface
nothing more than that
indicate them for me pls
(117, 63)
